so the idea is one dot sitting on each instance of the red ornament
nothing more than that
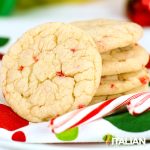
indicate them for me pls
(148, 64)
(1, 56)
(19, 136)
(10, 120)
(139, 11)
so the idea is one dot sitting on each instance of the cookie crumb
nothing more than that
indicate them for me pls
(21, 68)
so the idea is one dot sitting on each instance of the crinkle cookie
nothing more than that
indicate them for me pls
(121, 83)
(111, 34)
(122, 60)
(98, 99)
(49, 71)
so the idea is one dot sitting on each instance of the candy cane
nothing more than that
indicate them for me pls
(136, 104)
(140, 106)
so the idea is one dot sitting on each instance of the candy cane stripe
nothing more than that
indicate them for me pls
(136, 104)
(92, 113)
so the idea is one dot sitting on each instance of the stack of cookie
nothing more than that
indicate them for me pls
(123, 60)
(56, 67)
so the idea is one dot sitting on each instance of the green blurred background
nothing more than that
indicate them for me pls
(8, 7)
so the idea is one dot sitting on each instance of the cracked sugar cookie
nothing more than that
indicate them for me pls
(111, 34)
(123, 60)
(121, 83)
(50, 70)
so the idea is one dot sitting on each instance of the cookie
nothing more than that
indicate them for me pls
(121, 60)
(98, 99)
(111, 34)
(49, 71)
(121, 83)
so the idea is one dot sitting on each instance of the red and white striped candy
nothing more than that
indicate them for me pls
(136, 104)
(140, 104)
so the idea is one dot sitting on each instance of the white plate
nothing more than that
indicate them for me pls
(5, 145)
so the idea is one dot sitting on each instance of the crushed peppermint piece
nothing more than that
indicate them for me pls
(73, 50)
(35, 58)
(112, 85)
(60, 74)
(144, 80)
(81, 106)
(21, 68)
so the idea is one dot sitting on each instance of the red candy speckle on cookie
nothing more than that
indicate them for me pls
(9, 120)
(21, 68)
(112, 85)
(60, 74)
(144, 80)
(35, 59)
(81, 106)
(73, 50)
(19, 136)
